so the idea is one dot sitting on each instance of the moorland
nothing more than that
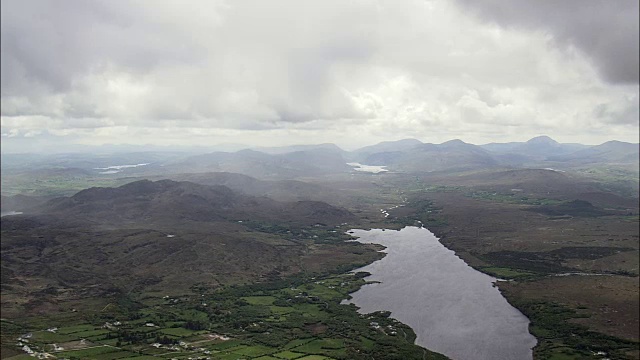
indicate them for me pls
(245, 254)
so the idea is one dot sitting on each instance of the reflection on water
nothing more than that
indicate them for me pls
(454, 309)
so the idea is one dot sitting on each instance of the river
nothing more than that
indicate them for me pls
(454, 309)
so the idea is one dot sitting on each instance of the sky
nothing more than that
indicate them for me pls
(354, 73)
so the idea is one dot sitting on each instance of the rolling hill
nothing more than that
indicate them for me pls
(311, 162)
(614, 152)
(168, 201)
(164, 235)
(452, 155)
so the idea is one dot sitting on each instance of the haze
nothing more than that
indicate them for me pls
(201, 73)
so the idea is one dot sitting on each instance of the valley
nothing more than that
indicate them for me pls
(246, 254)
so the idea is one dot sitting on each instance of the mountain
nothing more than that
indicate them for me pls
(533, 182)
(22, 202)
(276, 150)
(281, 190)
(387, 146)
(608, 152)
(501, 148)
(526, 181)
(167, 202)
(448, 156)
(544, 146)
(311, 162)
(318, 161)
(542, 141)
(164, 235)
(65, 174)
(79, 261)
(537, 149)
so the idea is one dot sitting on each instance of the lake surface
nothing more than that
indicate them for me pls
(114, 169)
(454, 309)
(9, 213)
(368, 168)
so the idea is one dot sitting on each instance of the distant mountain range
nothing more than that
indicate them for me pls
(411, 155)
(292, 161)
(311, 162)
(326, 160)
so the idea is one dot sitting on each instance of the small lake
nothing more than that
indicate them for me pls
(454, 309)
(9, 213)
(114, 169)
(368, 168)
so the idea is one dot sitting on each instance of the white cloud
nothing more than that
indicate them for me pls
(287, 72)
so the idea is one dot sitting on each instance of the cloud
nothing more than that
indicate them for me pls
(607, 31)
(286, 71)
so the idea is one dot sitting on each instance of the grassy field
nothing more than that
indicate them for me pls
(241, 322)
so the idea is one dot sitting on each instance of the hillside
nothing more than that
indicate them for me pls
(537, 148)
(609, 152)
(281, 190)
(21, 202)
(168, 201)
(452, 155)
(163, 236)
(310, 162)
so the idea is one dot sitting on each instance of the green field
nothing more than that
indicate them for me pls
(255, 351)
(178, 331)
(288, 355)
(505, 273)
(92, 352)
(314, 357)
(328, 347)
(76, 329)
(259, 300)
(263, 321)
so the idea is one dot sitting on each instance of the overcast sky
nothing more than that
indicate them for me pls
(287, 72)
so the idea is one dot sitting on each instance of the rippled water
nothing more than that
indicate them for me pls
(454, 309)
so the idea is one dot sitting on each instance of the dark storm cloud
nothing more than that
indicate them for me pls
(605, 30)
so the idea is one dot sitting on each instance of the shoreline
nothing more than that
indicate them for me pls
(405, 312)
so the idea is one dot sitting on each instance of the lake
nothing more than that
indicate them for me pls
(367, 168)
(9, 213)
(454, 309)
(114, 169)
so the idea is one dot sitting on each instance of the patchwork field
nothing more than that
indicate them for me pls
(295, 319)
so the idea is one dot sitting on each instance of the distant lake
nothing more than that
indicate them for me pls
(9, 213)
(368, 168)
(114, 169)
(454, 309)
